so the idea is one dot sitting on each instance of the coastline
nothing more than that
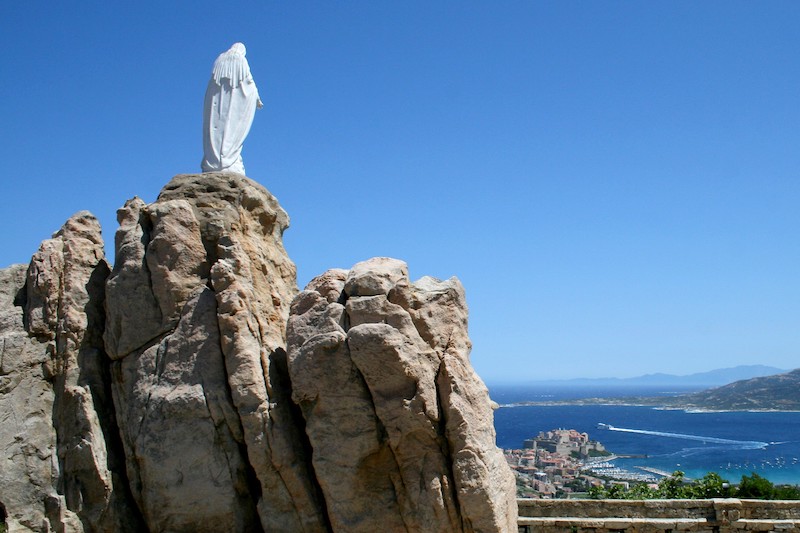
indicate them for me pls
(732, 444)
(621, 402)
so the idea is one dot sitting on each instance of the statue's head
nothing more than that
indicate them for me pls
(238, 48)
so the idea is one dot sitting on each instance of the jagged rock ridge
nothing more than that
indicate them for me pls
(160, 395)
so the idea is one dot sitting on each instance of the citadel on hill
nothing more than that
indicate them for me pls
(567, 442)
(555, 464)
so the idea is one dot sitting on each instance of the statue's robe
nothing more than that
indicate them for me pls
(228, 110)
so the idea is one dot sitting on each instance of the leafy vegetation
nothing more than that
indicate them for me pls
(709, 486)
(591, 453)
(599, 453)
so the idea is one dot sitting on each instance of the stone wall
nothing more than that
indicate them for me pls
(600, 516)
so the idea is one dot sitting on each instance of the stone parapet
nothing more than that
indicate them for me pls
(601, 516)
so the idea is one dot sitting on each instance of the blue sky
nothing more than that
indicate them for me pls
(615, 183)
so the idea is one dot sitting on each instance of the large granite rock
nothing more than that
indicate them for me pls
(200, 380)
(400, 425)
(163, 395)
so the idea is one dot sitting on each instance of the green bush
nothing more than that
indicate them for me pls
(598, 453)
(709, 486)
(671, 487)
(787, 492)
(757, 488)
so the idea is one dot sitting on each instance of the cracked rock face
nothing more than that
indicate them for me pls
(199, 377)
(28, 464)
(400, 425)
(75, 465)
(192, 388)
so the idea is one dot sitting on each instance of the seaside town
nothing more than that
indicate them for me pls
(564, 463)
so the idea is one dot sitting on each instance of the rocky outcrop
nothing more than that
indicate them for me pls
(400, 425)
(163, 395)
(200, 377)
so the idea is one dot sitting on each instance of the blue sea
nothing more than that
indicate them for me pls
(729, 443)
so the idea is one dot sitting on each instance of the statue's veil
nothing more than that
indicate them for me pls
(232, 65)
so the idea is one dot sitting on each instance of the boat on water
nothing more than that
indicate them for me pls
(603, 426)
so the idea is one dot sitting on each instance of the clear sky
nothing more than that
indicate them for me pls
(614, 183)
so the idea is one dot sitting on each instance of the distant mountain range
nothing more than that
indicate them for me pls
(776, 392)
(712, 378)
(779, 392)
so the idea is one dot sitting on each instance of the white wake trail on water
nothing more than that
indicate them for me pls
(741, 444)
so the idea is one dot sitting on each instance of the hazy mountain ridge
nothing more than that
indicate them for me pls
(776, 392)
(711, 378)
(780, 392)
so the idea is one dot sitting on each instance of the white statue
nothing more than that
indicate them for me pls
(230, 104)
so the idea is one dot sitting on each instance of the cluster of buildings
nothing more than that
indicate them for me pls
(553, 464)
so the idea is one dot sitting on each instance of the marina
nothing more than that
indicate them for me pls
(610, 470)
(656, 471)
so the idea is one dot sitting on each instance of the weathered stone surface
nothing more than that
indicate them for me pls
(330, 284)
(485, 491)
(28, 464)
(210, 380)
(242, 226)
(175, 257)
(438, 310)
(63, 306)
(160, 262)
(400, 425)
(376, 276)
(180, 430)
(92, 474)
(129, 283)
(353, 464)
(724, 515)
(258, 378)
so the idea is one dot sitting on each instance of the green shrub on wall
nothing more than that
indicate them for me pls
(709, 486)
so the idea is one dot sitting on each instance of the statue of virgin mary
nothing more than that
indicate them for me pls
(230, 104)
